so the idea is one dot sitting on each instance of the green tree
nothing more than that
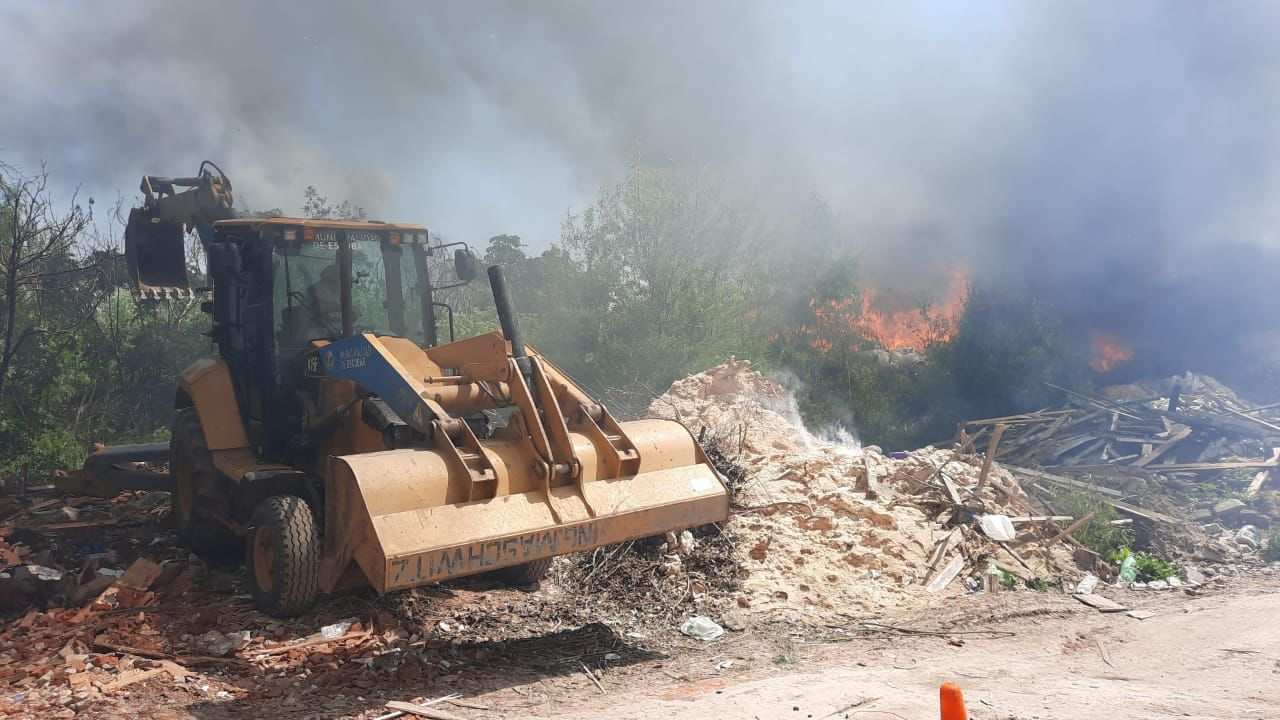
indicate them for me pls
(48, 293)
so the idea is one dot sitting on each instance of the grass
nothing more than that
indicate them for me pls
(1099, 535)
(1148, 566)
(1039, 584)
(1008, 580)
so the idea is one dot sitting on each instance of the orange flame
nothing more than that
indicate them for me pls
(847, 323)
(916, 328)
(1108, 352)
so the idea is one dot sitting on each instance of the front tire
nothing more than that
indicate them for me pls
(283, 554)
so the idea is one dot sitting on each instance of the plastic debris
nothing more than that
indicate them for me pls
(1129, 569)
(997, 527)
(1087, 585)
(338, 629)
(702, 628)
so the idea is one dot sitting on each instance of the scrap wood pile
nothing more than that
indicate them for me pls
(824, 527)
(1164, 452)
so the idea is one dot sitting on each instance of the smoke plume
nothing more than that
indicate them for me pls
(1117, 159)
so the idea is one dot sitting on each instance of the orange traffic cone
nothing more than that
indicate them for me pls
(951, 700)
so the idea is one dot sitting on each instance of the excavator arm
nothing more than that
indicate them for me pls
(153, 239)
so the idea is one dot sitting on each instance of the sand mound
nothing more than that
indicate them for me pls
(809, 535)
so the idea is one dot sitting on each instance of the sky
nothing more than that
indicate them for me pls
(1124, 153)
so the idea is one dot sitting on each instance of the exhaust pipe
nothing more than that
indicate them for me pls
(507, 319)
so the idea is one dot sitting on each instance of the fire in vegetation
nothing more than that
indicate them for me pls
(914, 328)
(1109, 352)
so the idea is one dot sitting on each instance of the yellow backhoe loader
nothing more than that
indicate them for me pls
(337, 442)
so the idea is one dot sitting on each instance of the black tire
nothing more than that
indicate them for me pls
(282, 551)
(526, 574)
(195, 481)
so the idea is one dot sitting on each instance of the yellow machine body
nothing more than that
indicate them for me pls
(418, 462)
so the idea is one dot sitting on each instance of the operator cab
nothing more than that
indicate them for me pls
(285, 286)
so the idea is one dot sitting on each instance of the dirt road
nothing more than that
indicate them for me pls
(1211, 656)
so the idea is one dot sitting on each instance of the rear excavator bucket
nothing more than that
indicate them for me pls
(156, 254)
(154, 244)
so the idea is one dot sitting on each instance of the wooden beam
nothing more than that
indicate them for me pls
(1205, 467)
(992, 447)
(1261, 479)
(1260, 408)
(1168, 445)
(1252, 419)
(1071, 528)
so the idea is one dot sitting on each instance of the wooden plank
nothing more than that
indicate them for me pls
(131, 677)
(1259, 481)
(1096, 402)
(1038, 417)
(1068, 445)
(941, 548)
(1040, 518)
(314, 641)
(1168, 445)
(1059, 480)
(945, 575)
(1099, 603)
(874, 488)
(1143, 513)
(140, 575)
(1005, 546)
(1084, 451)
(1113, 469)
(1259, 409)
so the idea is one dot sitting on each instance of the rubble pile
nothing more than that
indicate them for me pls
(1185, 448)
(108, 611)
(831, 528)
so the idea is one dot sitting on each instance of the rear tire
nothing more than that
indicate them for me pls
(282, 550)
(526, 574)
(194, 476)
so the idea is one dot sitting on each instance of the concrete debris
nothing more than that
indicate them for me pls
(1248, 536)
(1099, 603)
(219, 644)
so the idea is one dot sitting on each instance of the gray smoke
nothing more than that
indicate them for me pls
(1119, 158)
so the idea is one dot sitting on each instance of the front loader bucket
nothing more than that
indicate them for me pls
(156, 254)
(394, 512)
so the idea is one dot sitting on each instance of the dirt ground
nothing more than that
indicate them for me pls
(1209, 653)
(1213, 654)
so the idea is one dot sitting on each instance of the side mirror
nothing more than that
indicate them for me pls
(465, 264)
